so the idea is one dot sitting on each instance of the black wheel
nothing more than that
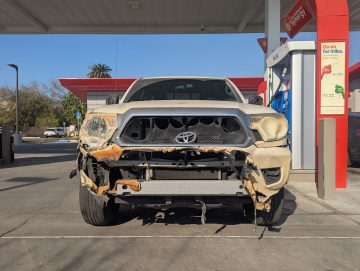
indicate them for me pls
(264, 218)
(94, 209)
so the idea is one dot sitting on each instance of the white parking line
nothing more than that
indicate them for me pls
(175, 237)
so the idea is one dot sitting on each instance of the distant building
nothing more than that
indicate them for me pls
(95, 91)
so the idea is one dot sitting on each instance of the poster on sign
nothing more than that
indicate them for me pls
(297, 17)
(333, 78)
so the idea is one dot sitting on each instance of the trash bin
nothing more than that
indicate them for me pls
(6, 144)
(12, 155)
(0, 144)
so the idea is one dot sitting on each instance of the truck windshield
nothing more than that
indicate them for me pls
(182, 89)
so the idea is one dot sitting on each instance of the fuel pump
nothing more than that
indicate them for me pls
(290, 91)
(281, 100)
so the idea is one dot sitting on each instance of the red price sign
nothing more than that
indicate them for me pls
(263, 43)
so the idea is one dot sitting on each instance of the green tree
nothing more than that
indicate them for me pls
(70, 105)
(40, 105)
(99, 71)
(47, 120)
(33, 104)
(54, 90)
(7, 106)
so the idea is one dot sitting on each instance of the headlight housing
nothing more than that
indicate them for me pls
(270, 127)
(97, 129)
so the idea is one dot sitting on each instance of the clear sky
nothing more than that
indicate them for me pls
(45, 57)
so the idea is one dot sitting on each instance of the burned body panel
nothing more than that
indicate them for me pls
(154, 156)
(257, 158)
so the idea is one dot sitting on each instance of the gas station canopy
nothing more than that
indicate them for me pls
(140, 16)
(328, 55)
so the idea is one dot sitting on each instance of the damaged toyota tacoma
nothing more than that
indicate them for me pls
(183, 142)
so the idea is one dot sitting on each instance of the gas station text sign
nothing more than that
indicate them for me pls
(297, 17)
(332, 98)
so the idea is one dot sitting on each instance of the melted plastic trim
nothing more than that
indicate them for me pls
(258, 158)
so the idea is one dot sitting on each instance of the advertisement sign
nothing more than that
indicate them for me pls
(297, 17)
(332, 96)
(263, 43)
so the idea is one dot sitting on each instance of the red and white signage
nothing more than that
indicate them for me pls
(297, 17)
(263, 43)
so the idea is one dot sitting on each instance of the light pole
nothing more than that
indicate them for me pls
(17, 136)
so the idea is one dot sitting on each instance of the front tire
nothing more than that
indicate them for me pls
(264, 218)
(94, 210)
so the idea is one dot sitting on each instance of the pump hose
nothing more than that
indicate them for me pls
(278, 88)
(276, 92)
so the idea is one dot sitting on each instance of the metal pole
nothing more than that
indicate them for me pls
(17, 100)
(17, 97)
(272, 25)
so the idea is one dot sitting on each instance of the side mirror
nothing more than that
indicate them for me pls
(258, 100)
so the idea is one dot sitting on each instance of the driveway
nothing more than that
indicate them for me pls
(41, 227)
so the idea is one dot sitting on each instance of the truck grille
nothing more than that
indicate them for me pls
(201, 130)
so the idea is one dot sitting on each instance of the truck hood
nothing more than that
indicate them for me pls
(122, 108)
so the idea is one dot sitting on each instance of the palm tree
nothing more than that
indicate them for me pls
(99, 71)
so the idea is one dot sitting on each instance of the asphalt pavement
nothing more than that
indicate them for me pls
(41, 227)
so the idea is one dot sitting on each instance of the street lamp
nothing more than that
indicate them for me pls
(17, 136)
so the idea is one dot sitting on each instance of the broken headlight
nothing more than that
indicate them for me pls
(270, 127)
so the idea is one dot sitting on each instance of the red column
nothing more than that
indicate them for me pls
(333, 26)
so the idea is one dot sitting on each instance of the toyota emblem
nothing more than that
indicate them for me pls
(185, 138)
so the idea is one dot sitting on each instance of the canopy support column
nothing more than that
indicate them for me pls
(332, 80)
(272, 24)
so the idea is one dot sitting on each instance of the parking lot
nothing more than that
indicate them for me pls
(41, 227)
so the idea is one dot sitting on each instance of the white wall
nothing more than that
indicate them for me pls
(98, 99)
(354, 99)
